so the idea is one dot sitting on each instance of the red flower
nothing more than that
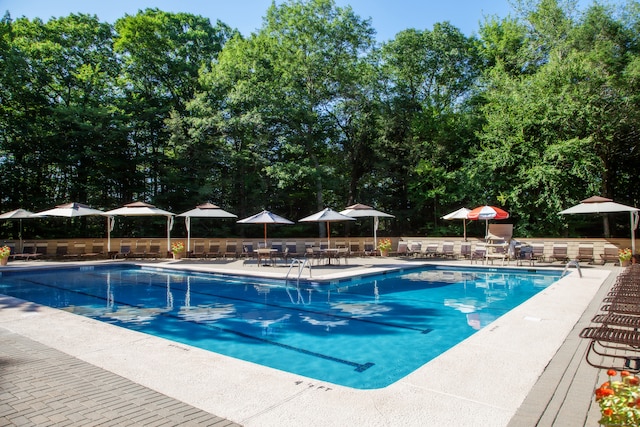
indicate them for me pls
(634, 381)
(607, 412)
(612, 373)
(624, 374)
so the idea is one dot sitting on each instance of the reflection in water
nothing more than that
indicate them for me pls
(207, 313)
(361, 309)
(328, 324)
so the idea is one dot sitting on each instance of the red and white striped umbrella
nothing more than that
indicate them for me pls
(487, 213)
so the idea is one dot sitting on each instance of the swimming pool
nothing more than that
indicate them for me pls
(363, 333)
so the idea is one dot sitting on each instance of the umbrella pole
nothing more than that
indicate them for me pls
(375, 232)
(187, 223)
(634, 226)
(265, 235)
(464, 228)
(328, 235)
(20, 235)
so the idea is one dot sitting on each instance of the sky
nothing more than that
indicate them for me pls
(388, 17)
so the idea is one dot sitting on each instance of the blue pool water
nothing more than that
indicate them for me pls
(365, 333)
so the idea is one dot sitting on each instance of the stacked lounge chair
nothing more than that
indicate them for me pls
(615, 340)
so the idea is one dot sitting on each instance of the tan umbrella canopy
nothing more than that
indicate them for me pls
(327, 215)
(18, 214)
(206, 210)
(141, 209)
(598, 205)
(463, 214)
(265, 217)
(359, 210)
(73, 210)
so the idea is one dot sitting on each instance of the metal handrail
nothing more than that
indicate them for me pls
(301, 264)
(575, 264)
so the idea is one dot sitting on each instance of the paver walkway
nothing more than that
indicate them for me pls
(41, 386)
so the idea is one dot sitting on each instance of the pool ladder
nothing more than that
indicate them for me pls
(575, 264)
(301, 265)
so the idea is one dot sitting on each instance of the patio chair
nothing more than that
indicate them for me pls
(292, 250)
(370, 249)
(537, 252)
(559, 252)
(525, 255)
(610, 254)
(247, 251)
(354, 249)
(140, 250)
(614, 347)
(278, 253)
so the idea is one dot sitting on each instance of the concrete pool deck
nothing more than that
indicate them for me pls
(482, 381)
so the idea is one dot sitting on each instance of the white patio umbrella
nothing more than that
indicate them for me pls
(141, 209)
(359, 210)
(265, 217)
(462, 214)
(18, 214)
(327, 215)
(597, 205)
(73, 210)
(207, 210)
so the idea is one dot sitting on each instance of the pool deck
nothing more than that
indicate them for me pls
(527, 368)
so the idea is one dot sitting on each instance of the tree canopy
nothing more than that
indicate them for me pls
(537, 111)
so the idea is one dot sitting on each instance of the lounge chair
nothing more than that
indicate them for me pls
(431, 250)
(97, 250)
(585, 253)
(403, 248)
(231, 250)
(447, 250)
(610, 254)
(414, 248)
(198, 250)
(154, 251)
(214, 250)
(124, 251)
(62, 249)
(140, 250)
(28, 252)
(479, 253)
(465, 250)
(79, 249)
(559, 252)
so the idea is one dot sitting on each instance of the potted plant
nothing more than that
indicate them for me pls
(625, 255)
(177, 248)
(5, 251)
(384, 246)
(619, 400)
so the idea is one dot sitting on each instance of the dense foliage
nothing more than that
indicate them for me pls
(535, 113)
